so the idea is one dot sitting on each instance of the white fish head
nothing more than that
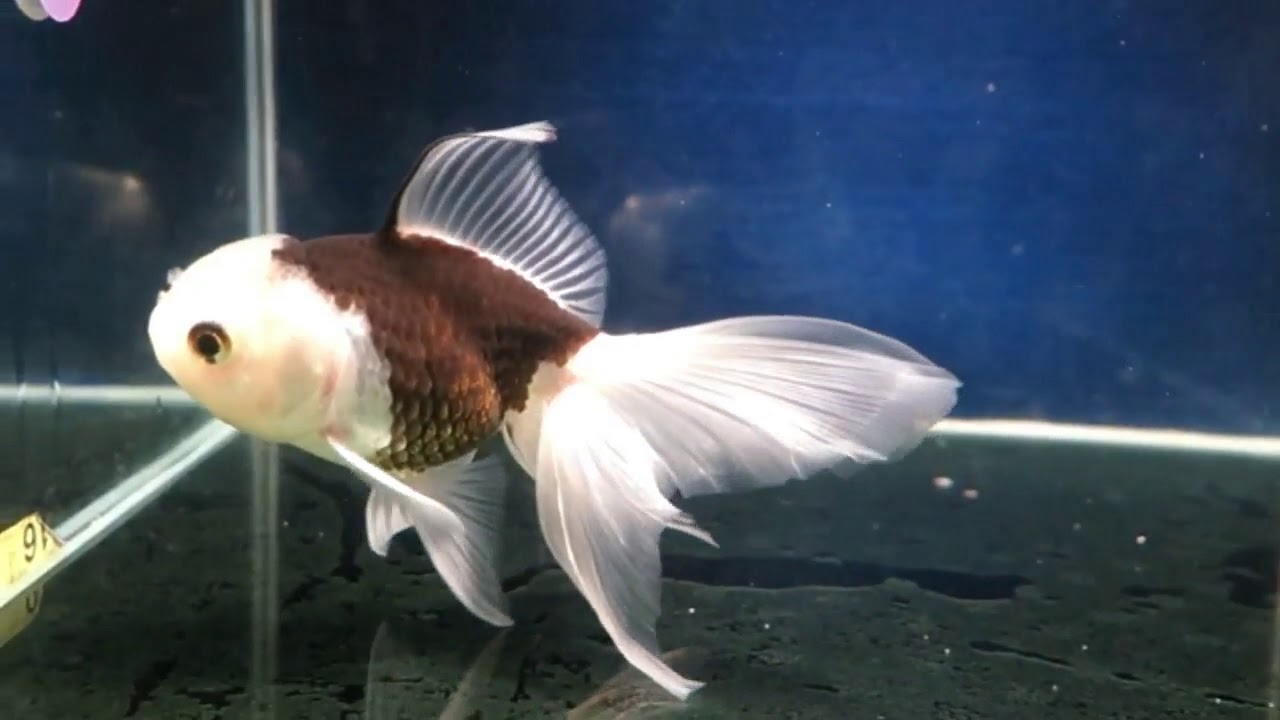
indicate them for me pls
(231, 330)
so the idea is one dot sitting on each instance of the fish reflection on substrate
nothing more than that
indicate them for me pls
(391, 687)
(393, 692)
(475, 312)
(632, 695)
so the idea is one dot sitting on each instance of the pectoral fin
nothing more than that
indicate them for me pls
(456, 509)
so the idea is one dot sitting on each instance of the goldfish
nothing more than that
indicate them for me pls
(474, 313)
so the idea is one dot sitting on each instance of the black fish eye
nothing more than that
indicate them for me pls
(210, 341)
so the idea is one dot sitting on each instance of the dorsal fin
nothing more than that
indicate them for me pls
(486, 191)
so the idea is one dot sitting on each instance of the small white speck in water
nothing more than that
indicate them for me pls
(1141, 540)
(991, 87)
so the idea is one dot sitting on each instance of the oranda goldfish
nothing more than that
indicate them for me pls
(475, 311)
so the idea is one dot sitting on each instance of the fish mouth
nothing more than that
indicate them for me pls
(159, 329)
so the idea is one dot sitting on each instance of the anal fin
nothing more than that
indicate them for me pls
(456, 509)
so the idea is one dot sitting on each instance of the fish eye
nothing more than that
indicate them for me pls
(210, 342)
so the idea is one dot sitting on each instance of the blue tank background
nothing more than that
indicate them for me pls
(1070, 205)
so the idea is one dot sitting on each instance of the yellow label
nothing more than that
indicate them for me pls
(23, 546)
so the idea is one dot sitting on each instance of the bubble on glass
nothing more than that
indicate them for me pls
(57, 10)
(32, 10)
(61, 10)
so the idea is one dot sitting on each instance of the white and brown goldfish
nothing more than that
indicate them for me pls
(475, 311)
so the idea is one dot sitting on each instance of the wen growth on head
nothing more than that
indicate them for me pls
(475, 310)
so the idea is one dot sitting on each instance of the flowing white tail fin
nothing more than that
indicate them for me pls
(720, 407)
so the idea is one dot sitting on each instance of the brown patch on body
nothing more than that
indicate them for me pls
(463, 337)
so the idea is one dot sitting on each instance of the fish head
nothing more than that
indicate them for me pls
(231, 330)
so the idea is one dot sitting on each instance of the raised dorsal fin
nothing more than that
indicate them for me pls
(486, 191)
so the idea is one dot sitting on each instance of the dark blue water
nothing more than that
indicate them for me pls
(1071, 205)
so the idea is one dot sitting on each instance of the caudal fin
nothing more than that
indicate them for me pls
(720, 407)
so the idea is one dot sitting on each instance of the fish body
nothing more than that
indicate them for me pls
(475, 311)
(457, 340)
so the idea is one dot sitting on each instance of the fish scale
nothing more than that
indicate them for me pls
(441, 408)
(453, 372)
